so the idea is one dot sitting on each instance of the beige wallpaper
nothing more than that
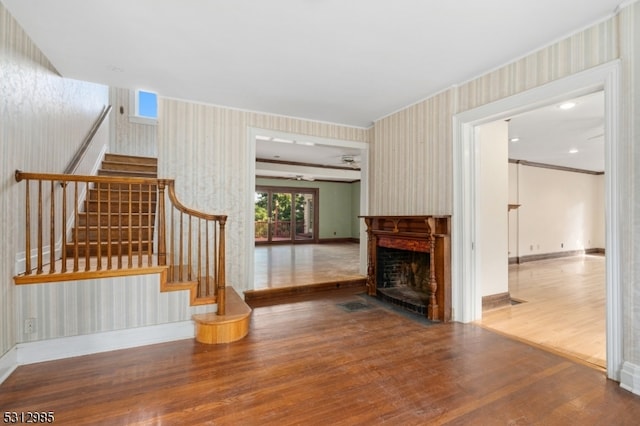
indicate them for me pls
(43, 120)
(205, 149)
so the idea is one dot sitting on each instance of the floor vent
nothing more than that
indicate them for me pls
(354, 306)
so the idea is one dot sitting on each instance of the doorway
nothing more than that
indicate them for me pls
(466, 293)
(286, 215)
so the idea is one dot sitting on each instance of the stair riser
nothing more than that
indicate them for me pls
(116, 235)
(115, 220)
(124, 187)
(115, 249)
(134, 207)
(123, 196)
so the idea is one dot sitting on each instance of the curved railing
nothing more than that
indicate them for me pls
(83, 227)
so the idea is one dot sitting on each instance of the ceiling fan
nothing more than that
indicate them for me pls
(351, 161)
(302, 177)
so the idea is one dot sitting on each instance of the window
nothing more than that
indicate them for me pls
(145, 107)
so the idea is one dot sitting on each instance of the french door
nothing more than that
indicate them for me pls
(286, 215)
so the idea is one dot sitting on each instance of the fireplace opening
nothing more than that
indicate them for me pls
(403, 278)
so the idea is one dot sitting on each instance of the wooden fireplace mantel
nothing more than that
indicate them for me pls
(431, 234)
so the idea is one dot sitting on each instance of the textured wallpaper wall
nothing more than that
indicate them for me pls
(43, 120)
(205, 149)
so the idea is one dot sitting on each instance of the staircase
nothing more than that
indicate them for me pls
(114, 216)
(113, 206)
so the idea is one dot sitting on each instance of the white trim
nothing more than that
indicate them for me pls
(67, 347)
(465, 291)
(630, 377)
(8, 363)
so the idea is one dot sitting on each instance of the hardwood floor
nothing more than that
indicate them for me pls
(564, 299)
(319, 362)
(563, 309)
(288, 265)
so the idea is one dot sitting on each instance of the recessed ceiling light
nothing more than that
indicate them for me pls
(573, 151)
(514, 139)
(567, 105)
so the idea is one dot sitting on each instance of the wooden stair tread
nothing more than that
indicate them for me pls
(212, 328)
(123, 158)
(125, 173)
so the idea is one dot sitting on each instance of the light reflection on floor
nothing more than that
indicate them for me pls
(303, 264)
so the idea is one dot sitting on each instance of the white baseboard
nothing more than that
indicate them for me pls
(8, 363)
(67, 347)
(630, 377)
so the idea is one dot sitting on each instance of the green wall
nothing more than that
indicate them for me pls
(339, 205)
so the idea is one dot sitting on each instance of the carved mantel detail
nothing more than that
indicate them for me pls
(428, 234)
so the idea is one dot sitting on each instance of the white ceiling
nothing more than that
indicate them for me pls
(570, 138)
(347, 62)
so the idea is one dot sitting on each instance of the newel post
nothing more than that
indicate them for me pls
(221, 300)
(162, 234)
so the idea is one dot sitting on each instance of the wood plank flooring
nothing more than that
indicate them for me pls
(319, 363)
(277, 266)
(563, 309)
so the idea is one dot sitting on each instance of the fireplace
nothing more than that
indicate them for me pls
(409, 263)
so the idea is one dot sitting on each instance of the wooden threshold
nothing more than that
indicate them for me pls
(212, 328)
(263, 297)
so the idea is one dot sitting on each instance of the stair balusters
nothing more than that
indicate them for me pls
(107, 230)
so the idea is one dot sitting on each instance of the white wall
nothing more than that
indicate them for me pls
(560, 210)
(493, 186)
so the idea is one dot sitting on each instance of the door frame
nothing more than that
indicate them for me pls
(466, 288)
(252, 133)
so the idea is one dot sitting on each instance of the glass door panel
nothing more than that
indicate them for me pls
(262, 232)
(285, 215)
(304, 216)
(281, 216)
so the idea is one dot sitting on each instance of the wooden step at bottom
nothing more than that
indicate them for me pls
(212, 328)
(267, 296)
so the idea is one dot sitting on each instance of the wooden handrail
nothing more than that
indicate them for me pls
(20, 175)
(183, 258)
(75, 161)
(182, 208)
(125, 221)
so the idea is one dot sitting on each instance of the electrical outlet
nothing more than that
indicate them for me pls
(29, 326)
